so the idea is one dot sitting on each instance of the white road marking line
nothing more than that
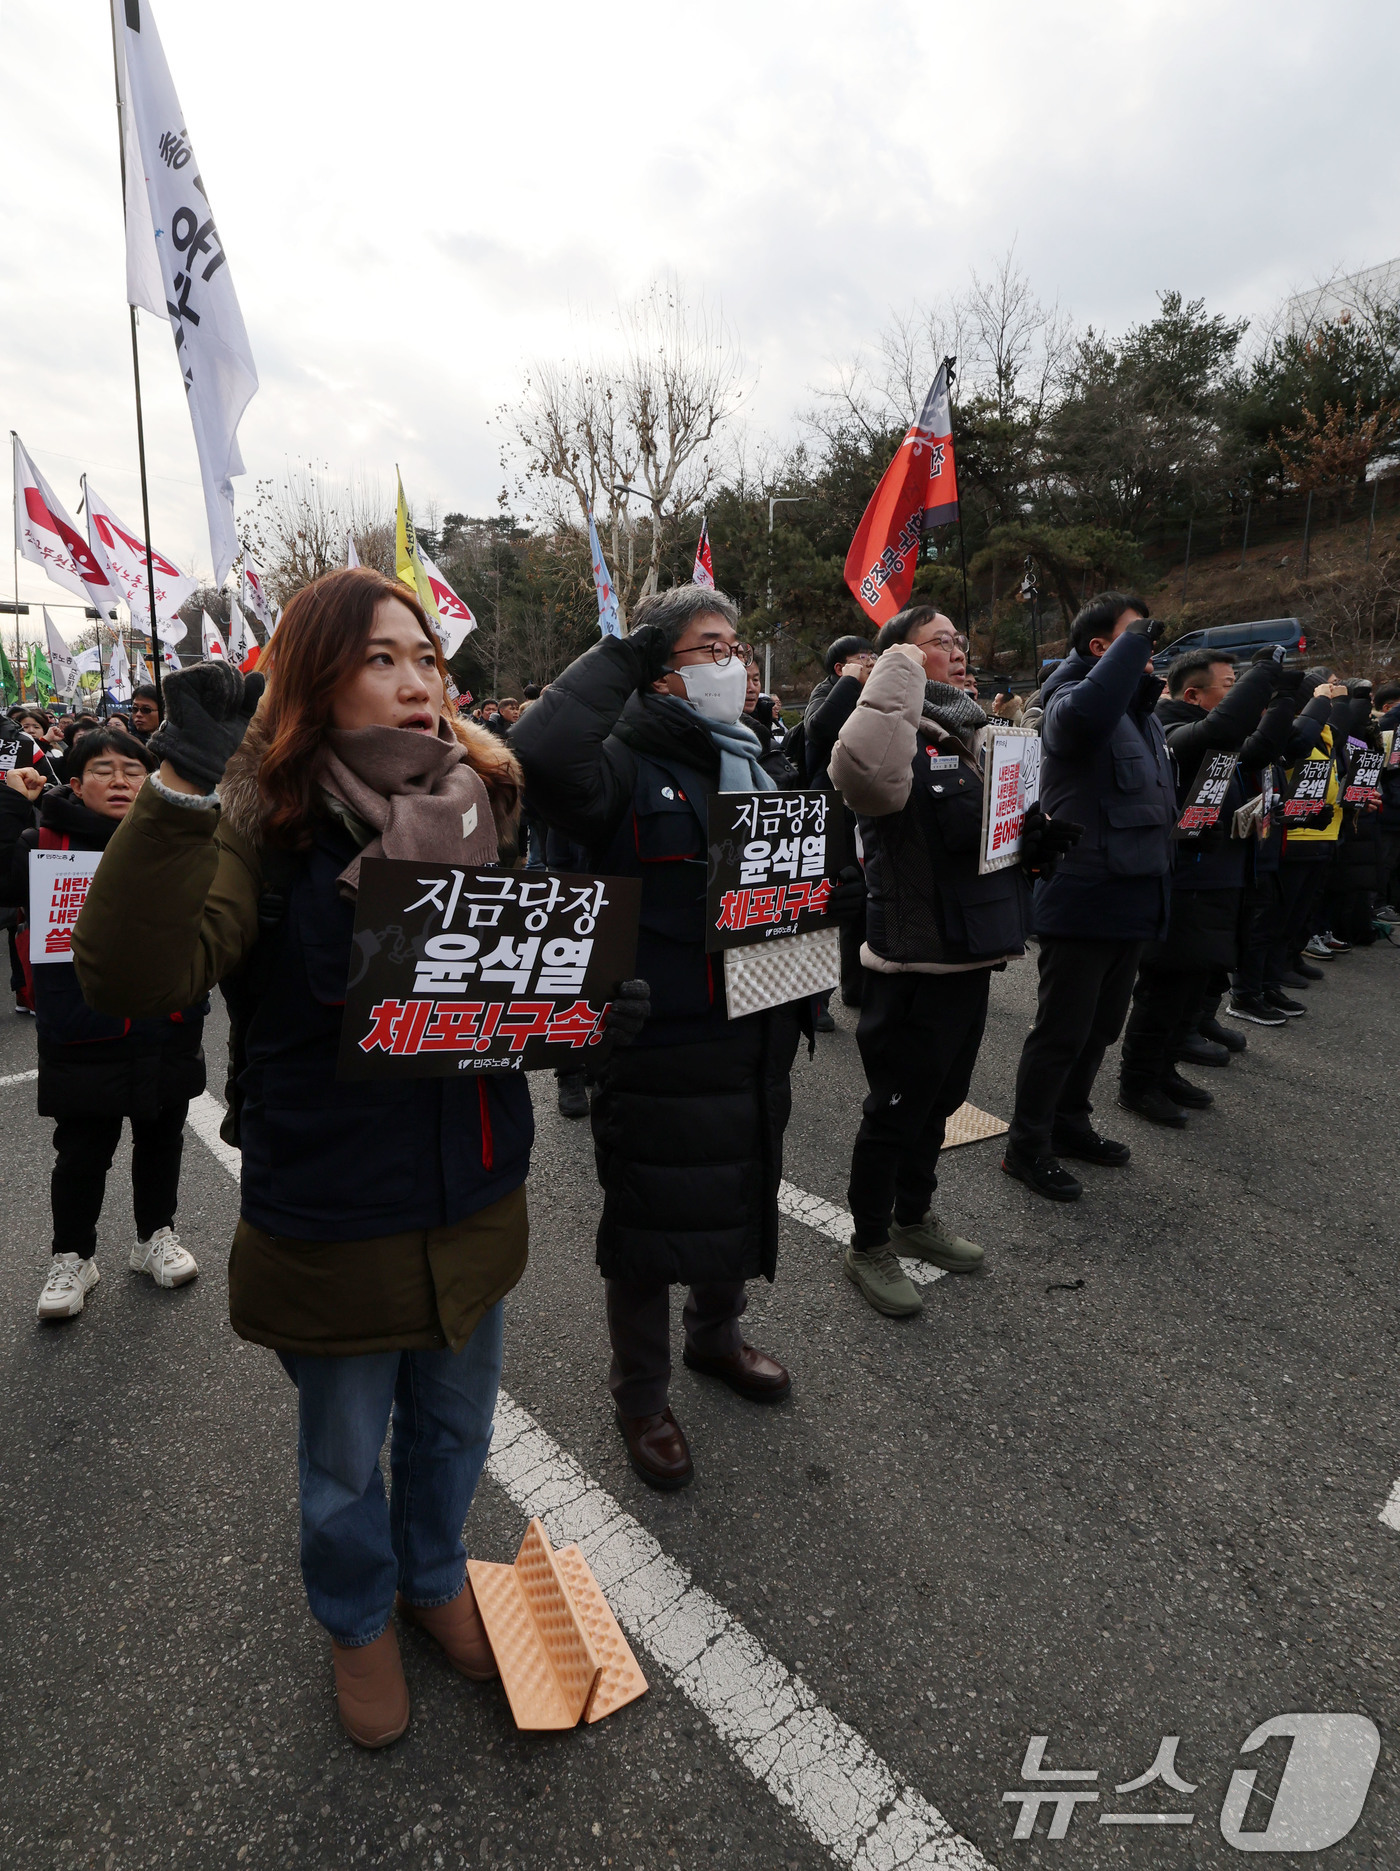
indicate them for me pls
(206, 1115)
(1390, 1513)
(827, 1219)
(20, 1078)
(815, 1765)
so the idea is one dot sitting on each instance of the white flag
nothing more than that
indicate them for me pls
(88, 662)
(239, 640)
(65, 671)
(253, 594)
(352, 558)
(46, 536)
(169, 658)
(212, 641)
(608, 622)
(199, 300)
(143, 671)
(454, 615)
(123, 554)
(118, 673)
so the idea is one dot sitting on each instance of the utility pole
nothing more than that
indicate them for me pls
(775, 500)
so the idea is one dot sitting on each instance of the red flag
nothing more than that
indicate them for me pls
(917, 492)
(704, 573)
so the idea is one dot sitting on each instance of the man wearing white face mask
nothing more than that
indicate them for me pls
(622, 753)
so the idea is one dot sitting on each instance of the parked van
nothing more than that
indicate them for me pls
(1239, 641)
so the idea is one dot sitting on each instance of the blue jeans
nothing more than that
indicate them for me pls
(357, 1549)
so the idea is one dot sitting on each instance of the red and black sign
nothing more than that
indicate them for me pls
(773, 860)
(472, 971)
(1206, 800)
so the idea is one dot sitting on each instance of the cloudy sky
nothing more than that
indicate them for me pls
(418, 198)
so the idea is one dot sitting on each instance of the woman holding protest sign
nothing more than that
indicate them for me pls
(96, 1071)
(382, 1223)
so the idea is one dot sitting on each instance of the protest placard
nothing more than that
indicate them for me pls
(1363, 787)
(773, 859)
(458, 970)
(1307, 796)
(1206, 799)
(1010, 783)
(58, 885)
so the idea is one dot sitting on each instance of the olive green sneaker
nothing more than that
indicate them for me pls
(930, 1240)
(884, 1282)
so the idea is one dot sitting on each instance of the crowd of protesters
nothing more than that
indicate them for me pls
(382, 1224)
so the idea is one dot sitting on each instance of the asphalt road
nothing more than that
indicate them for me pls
(1125, 1484)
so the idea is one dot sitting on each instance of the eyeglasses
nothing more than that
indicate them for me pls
(722, 653)
(945, 643)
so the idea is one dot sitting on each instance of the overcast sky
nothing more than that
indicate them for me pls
(416, 199)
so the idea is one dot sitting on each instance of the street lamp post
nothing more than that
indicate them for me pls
(774, 500)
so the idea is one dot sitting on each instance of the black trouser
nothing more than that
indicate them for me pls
(639, 1326)
(1387, 858)
(1302, 883)
(86, 1146)
(918, 1037)
(1262, 960)
(1085, 988)
(852, 935)
(1166, 1003)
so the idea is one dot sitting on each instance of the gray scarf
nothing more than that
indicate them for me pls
(953, 709)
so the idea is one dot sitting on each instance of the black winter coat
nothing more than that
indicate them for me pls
(91, 1062)
(688, 1122)
(1105, 766)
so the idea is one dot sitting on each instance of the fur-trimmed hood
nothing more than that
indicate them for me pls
(487, 754)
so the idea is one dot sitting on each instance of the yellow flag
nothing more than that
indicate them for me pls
(408, 561)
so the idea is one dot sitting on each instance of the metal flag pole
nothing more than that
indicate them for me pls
(14, 471)
(140, 424)
(949, 364)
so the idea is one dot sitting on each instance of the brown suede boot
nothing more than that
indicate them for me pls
(458, 1628)
(371, 1691)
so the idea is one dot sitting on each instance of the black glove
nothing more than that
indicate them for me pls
(628, 1011)
(763, 710)
(650, 650)
(846, 904)
(1270, 653)
(1045, 841)
(1150, 627)
(1288, 681)
(207, 711)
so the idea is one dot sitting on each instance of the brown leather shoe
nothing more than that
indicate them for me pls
(371, 1691)
(658, 1449)
(457, 1628)
(753, 1374)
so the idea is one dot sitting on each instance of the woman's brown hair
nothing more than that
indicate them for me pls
(317, 648)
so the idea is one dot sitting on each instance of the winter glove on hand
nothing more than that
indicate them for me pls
(207, 711)
(1045, 841)
(1288, 681)
(1150, 627)
(651, 654)
(628, 1011)
(1271, 653)
(846, 903)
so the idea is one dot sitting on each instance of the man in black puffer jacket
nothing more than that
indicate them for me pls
(96, 1069)
(622, 752)
(1207, 711)
(1104, 766)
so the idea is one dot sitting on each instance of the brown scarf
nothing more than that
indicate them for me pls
(418, 792)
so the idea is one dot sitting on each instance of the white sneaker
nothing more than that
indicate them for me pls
(71, 1279)
(164, 1259)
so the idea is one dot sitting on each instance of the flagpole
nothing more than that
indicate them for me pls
(948, 365)
(140, 423)
(14, 470)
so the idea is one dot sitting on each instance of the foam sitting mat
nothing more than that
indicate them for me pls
(969, 1125)
(557, 1645)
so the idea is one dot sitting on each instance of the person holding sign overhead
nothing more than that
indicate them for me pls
(908, 763)
(96, 1070)
(382, 1224)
